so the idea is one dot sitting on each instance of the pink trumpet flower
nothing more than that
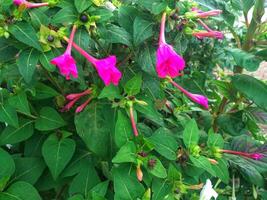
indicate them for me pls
(169, 63)
(105, 67)
(65, 62)
(29, 4)
(199, 99)
(210, 34)
(201, 14)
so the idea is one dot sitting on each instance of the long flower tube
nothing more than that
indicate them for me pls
(106, 67)
(199, 99)
(29, 4)
(254, 156)
(131, 111)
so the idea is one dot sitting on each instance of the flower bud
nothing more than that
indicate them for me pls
(139, 173)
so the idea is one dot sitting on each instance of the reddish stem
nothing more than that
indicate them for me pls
(133, 122)
(68, 50)
(204, 25)
(236, 152)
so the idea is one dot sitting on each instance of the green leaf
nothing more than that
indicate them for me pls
(191, 134)
(9, 115)
(13, 135)
(146, 59)
(7, 165)
(20, 102)
(123, 129)
(203, 163)
(245, 60)
(252, 88)
(91, 127)
(28, 169)
(82, 5)
(127, 153)
(45, 58)
(158, 169)
(142, 30)
(49, 119)
(126, 17)
(66, 14)
(57, 153)
(165, 144)
(126, 185)
(100, 189)
(20, 191)
(84, 181)
(76, 197)
(27, 64)
(24, 32)
(215, 140)
(221, 170)
(116, 34)
(44, 92)
(133, 86)
(38, 18)
(161, 189)
(7, 50)
(111, 92)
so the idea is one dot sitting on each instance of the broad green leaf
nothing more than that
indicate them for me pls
(91, 127)
(43, 91)
(156, 169)
(12, 135)
(38, 17)
(133, 86)
(126, 16)
(76, 197)
(7, 165)
(84, 181)
(221, 170)
(203, 163)
(161, 189)
(116, 34)
(27, 64)
(111, 92)
(146, 59)
(65, 15)
(28, 169)
(142, 30)
(100, 189)
(49, 119)
(165, 144)
(215, 140)
(20, 191)
(82, 5)
(191, 134)
(20, 102)
(252, 88)
(123, 129)
(127, 153)
(9, 115)
(7, 50)
(45, 58)
(246, 60)
(24, 32)
(126, 185)
(57, 153)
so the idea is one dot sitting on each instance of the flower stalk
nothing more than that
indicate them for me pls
(254, 156)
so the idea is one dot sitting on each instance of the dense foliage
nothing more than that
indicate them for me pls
(52, 149)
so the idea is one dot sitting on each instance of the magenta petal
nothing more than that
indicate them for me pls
(108, 71)
(18, 2)
(66, 65)
(169, 63)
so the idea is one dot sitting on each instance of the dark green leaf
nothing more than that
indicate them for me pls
(82, 5)
(191, 134)
(142, 30)
(9, 115)
(133, 86)
(127, 153)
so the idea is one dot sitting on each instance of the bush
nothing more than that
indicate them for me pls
(132, 99)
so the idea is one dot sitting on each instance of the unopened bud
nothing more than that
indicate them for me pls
(139, 173)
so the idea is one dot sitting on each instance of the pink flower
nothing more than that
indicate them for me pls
(107, 70)
(210, 34)
(78, 95)
(168, 62)
(255, 156)
(81, 107)
(66, 65)
(105, 67)
(29, 4)
(199, 99)
(65, 62)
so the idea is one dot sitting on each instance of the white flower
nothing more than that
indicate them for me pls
(207, 191)
(110, 6)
